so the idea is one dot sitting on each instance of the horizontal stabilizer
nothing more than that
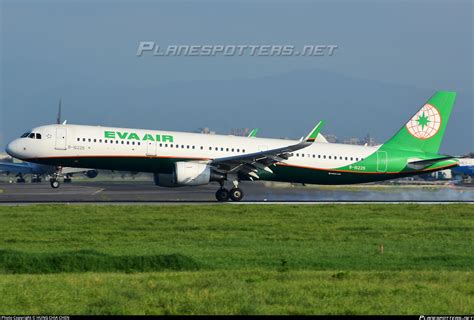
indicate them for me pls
(420, 164)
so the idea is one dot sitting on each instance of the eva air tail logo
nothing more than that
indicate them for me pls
(425, 123)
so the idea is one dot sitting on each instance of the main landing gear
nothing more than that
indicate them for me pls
(235, 194)
(20, 178)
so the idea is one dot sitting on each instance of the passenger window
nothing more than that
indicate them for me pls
(330, 157)
(138, 143)
(116, 142)
(89, 139)
(243, 150)
(297, 154)
(95, 140)
(238, 150)
(345, 158)
(78, 139)
(128, 142)
(227, 149)
(182, 146)
(324, 156)
(351, 159)
(302, 155)
(187, 147)
(105, 141)
(222, 149)
(100, 140)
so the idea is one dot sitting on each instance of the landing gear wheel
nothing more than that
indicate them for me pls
(222, 195)
(54, 183)
(236, 194)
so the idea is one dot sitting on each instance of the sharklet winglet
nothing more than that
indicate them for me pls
(311, 137)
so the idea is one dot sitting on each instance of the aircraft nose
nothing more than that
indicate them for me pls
(14, 149)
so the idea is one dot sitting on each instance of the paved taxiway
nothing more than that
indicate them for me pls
(147, 192)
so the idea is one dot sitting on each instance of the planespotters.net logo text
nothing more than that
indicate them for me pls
(151, 48)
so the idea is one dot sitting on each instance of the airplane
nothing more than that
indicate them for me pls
(465, 168)
(188, 159)
(39, 170)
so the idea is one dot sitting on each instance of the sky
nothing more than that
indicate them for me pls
(396, 53)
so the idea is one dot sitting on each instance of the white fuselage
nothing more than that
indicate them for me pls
(79, 141)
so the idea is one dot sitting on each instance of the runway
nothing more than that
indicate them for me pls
(148, 193)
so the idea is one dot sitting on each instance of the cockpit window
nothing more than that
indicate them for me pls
(38, 136)
(31, 136)
(24, 135)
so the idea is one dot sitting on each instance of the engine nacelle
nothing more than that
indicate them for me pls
(192, 173)
(188, 174)
(92, 173)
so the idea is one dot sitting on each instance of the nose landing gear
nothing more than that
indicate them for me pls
(54, 181)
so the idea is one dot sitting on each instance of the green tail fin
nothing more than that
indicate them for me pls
(425, 130)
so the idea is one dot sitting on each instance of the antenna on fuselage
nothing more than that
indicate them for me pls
(58, 118)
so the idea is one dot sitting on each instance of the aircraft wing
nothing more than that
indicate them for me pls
(70, 170)
(22, 168)
(249, 164)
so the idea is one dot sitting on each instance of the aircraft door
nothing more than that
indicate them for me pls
(381, 161)
(61, 136)
(151, 148)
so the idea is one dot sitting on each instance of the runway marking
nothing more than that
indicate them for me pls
(98, 191)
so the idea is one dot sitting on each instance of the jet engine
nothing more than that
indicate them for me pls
(188, 174)
(92, 174)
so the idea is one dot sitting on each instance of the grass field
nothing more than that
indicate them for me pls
(227, 259)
